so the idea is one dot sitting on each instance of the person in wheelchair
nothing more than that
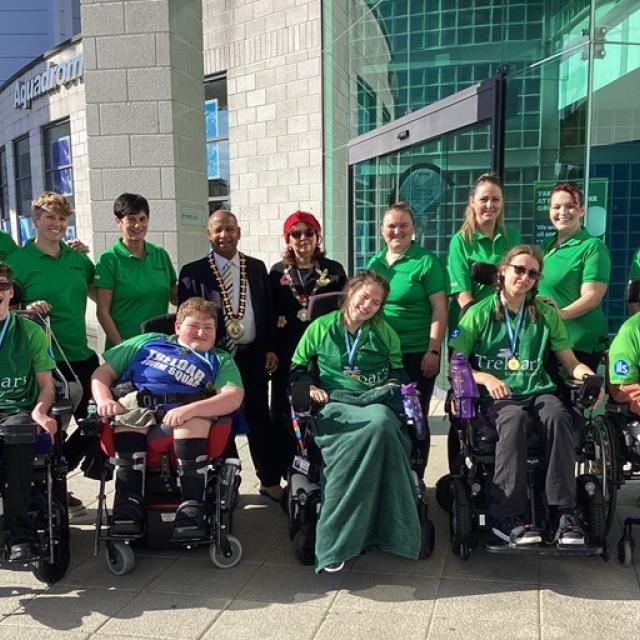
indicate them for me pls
(624, 365)
(368, 493)
(189, 383)
(26, 395)
(506, 337)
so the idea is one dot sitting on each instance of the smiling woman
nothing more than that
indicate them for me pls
(135, 280)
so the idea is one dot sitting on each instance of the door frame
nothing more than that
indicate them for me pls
(479, 103)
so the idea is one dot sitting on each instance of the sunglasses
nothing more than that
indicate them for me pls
(5, 286)
(534, 274)
(298, 233)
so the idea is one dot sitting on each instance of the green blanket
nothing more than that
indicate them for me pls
(368, 494)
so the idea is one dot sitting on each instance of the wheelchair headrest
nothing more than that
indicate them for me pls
(18, 294)
(160, 324)
(323, 303)
(633, 290)
(484, 273)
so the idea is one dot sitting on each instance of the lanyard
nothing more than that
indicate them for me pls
(513, 332)
(7, 322)
(352, 348)
(206, 359)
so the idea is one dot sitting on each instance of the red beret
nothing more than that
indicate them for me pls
(300, 216)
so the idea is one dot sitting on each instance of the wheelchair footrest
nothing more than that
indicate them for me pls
(546, 549)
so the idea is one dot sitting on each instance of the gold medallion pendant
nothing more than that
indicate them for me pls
(513, 364)
(303, 314)
(235, 329)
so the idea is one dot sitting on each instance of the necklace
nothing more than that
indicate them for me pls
(303, 299)
(232, 321)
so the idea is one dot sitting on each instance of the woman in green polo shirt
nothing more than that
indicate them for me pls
(135, 280)
(506, 336)
(417, 304)
(576, 274)
(483, 237)
(7, 245)
(368, 496)
(56, 279)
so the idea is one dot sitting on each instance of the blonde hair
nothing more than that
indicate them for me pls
(196, 305)
(401, 207)
(469, 226)
(51, 201)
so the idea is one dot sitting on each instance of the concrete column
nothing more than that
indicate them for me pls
(145, 118)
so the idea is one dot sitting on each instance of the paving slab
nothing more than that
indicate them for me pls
(355, 624)
(266, 621)
(157, 615)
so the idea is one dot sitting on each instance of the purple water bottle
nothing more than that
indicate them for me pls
(413, 409)
(465, 390)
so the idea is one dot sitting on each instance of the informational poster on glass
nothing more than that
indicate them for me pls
(596, 207)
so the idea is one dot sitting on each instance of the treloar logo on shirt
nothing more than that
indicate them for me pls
(500, 364)
(183, 371)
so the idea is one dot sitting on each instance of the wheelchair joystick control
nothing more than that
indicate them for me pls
(465, 390)
(413, 409)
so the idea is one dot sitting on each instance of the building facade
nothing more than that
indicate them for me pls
(339, 108)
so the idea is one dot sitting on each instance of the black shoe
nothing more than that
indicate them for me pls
(75, 505)
(570, 531)
(127, 518)
(513, 531)
(191, 521)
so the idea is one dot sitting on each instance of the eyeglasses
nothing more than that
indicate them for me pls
(298, 233)
(5, 286)
(534, 274)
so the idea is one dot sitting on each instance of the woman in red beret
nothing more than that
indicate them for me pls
(302, 272)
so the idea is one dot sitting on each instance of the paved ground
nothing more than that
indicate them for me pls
(269, 595)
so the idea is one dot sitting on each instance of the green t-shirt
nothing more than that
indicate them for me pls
(7, 245)
(484, 339)
(378, 352)
(62, 281)
(23, 353)
(412, 278)
(624, 353)
(634, 269)
(461, 256)
(579, 259)
(122, 356)
(140, 286)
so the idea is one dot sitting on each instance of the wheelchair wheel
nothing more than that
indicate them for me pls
(626, 547)
(427, 530)
(443, 492)
(601, 462)
(304, 545)
(223, 561)
(51, 572)
(120, 557)
(460, 518)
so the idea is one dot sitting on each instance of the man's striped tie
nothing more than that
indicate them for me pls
(227, 279)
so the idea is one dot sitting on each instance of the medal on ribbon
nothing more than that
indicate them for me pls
(513, 333)
(351, 369)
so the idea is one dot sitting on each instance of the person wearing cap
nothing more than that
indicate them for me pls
(238, 285)
(577, 267)
(417, 304)
(7, 245)
(304, 271)
(135, 280)
(57, 280)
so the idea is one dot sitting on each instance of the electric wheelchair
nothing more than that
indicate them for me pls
(301, 499)
(48, 511)
(465, 492)
(161, 491)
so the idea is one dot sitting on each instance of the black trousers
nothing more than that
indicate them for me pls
(77, 445)
(264, 440)
(16, 471)
(411, 363)
(509, 487)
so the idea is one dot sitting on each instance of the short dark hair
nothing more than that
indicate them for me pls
(129, 203)
(401, 207)
(225, 212)
(6, 271)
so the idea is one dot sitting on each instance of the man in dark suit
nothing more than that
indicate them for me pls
(239, 287)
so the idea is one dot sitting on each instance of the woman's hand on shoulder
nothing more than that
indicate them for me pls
(318, 395)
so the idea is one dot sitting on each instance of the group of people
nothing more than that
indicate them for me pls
(390, 329)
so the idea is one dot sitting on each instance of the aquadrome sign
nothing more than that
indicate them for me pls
(49, 80)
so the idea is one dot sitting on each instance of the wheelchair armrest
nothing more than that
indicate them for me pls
(585, 392)
(61, 408)
(18, 433)
(301, 397)
(90, 426)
